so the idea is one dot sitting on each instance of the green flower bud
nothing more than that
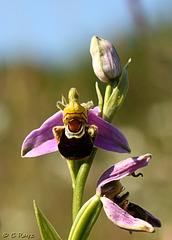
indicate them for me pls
(105, 60)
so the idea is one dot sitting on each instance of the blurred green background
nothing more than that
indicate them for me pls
(28, 94)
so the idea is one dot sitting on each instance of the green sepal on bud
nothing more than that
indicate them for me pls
(47, 231)
(105, 60)
(115, 94)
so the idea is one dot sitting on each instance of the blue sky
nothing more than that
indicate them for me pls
(55, 29)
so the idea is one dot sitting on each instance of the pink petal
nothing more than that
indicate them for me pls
(123, 219)
(41, 141)
(122, 169)
(109, 137)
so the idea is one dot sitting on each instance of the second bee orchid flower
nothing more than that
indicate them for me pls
(118, 209)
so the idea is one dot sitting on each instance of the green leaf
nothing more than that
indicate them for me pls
(47, 231)
(86, 219)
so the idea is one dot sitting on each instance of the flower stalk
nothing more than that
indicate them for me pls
(73, 167)
(80, 182)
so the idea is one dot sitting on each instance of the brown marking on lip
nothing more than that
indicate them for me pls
(74, 115)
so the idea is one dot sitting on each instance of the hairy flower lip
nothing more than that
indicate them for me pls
(108, 187)
(41, 141)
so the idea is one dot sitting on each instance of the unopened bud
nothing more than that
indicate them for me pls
(105, 60)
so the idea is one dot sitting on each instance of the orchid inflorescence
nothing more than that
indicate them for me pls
(77, 131)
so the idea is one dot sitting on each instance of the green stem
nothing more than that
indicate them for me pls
(73, 169)
(80, 183)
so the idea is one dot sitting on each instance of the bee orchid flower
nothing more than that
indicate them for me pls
(118, 209)
(74, 130)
